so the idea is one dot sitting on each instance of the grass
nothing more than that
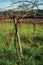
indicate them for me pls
(32, 44)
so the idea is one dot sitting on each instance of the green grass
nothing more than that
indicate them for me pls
(32, 44)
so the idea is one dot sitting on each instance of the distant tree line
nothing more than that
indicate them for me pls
(9, 14)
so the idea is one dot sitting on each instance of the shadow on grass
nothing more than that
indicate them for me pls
(38, 38)
(25, 39)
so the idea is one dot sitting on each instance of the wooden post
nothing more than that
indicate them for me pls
(17, 39)
(17, 34)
